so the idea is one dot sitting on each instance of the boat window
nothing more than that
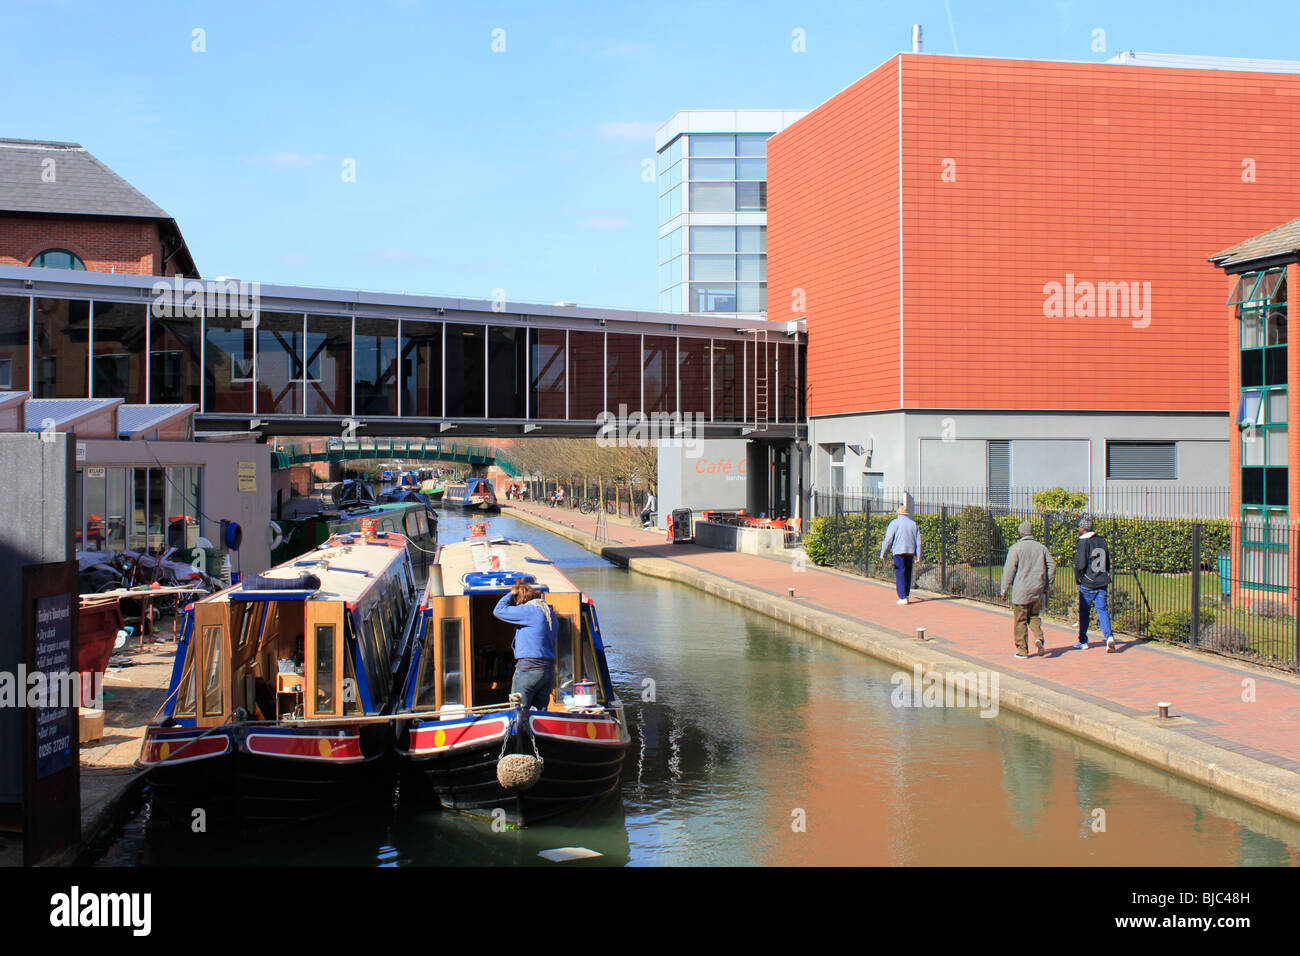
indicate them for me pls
(250, 618)
(589, 669)
(376, 668)
(387, 525)
(451, 670)
(325, 669)
(564, 655)
(425, 697)
(212, 672)
(351, 692)
(412, 528)
(422, 524)
(185, 695)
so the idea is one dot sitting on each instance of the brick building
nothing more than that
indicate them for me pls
(1002, 265)
(61, 207)
(1264, 472)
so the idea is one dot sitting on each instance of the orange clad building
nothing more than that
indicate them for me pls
(1003, 267)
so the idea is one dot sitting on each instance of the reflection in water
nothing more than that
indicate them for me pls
(744, 727)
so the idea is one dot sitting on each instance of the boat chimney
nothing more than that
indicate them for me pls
(916, 38)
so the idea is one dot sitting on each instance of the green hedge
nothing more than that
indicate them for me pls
(1137, 544)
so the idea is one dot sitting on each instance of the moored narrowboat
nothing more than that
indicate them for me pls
(278, 696)
(473, 494)
(457, 693)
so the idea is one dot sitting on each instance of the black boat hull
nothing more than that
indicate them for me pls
(236, 777)
(575, 771)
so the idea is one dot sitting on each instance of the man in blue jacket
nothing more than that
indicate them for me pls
(904, 538)
(534, 644)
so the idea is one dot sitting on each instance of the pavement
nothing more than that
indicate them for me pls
(1232, 725)
(132, 695)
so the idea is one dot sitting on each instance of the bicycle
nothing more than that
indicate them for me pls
(590, 505)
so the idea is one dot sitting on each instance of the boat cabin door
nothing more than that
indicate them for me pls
(323, 651)
(212, 663)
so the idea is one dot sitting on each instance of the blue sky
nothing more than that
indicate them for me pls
(476, 170)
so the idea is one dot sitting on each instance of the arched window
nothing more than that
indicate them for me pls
(58, 259)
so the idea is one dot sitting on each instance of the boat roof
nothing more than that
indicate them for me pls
(474, 555)
(347, 565)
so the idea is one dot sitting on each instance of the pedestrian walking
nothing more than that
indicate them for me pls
(1092, 571)
(1028, 574)
(903, 537)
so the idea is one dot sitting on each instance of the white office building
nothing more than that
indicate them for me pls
(713, 209)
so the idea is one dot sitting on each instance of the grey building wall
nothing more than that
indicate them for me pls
(712, 475)
(222, 498)
(916, 449)
(36, 519)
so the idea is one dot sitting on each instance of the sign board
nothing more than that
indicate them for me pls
(95, 472)
(81, 451)
(51, 764)
(248, 476)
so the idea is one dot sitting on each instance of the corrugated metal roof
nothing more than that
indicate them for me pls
(49, 177)
(61, 410)
(1187, 61)
(1279, 241)
(134, 419)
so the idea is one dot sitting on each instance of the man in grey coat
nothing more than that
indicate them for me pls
(1028, 574)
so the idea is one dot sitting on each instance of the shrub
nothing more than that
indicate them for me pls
(1225, 637)
(814, 541)
(1068, 504)
(1268, 607)
(1176, 626)
(978, 537)
(930, 579)
(971, 583)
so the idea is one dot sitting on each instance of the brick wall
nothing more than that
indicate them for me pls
(129, 246)
(1104, 172)
(832, 242)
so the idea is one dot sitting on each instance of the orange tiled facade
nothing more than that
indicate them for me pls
(920, 219)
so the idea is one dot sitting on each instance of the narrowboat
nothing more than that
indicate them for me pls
(415, 519)
(473, 494)
(457, 692)
(351, 493)
(278, 696)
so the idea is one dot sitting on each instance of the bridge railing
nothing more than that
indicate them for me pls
(410, 449)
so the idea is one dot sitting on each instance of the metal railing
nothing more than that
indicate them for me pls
(1217, 584)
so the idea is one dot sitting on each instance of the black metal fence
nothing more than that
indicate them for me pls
(1215, 583)
(589, 496)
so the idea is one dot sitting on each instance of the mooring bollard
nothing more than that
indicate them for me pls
(1164, 706)
(920, 634)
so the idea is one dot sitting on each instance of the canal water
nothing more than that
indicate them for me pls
(757, 744)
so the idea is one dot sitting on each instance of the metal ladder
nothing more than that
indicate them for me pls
(762, 381)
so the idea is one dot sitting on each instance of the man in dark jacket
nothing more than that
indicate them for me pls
(1092, 571)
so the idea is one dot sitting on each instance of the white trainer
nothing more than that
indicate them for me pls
(1079, 646)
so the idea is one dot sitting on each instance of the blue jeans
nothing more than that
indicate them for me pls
(534, 686)
(1087, 598)
(903, 574)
